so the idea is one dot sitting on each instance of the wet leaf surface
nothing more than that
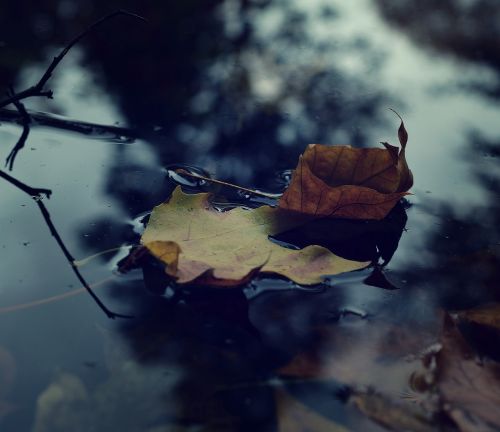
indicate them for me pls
(200, 244)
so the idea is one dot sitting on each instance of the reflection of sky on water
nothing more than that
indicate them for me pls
(361, 57)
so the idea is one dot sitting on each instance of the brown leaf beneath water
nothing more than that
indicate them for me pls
(294, 416)
(372, 354)
(488, 315)
(470, 390)
(394, 415)
(341, 181)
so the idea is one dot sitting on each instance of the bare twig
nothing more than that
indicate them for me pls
(25, 121)
(37, 89)
(82, 127)
(37, 195)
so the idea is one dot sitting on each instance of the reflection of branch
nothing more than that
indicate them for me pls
(59, 122)
(36, 194)
(25, 121)
(37, 89)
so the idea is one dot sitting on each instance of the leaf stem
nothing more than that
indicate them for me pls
(223, 183)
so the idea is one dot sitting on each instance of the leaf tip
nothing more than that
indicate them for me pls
(402, 132)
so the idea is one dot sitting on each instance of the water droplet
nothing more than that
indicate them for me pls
(177, 177)
(244, 194)
(350, 310)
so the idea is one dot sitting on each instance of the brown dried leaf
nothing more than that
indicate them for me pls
(309, 194)
(341, 181)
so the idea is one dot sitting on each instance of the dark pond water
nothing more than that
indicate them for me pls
(237, 88)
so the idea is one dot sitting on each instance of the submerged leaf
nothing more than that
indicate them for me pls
(488, 315)
(200, 244)
(470, 390)
(294, 416)
(341, 181)
(374, 354)
(396, 416)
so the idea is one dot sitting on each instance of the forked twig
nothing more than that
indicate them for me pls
(37, 89)
(25, 121)
(37, 195)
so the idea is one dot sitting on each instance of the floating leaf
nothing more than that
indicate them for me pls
(470, 389)
(341, 181)
(200, 244)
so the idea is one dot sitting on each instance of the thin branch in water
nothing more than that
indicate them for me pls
(223, 183)
(36, 194)
(37, 89)
(95, 129)
(25, 121)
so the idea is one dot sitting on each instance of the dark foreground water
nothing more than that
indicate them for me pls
(238, 88)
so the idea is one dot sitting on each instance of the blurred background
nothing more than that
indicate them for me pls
(237, 88)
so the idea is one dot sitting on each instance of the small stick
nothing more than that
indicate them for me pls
(222, 183)
(59, 122)
(37, 89)
(25, 121)
(36, 195)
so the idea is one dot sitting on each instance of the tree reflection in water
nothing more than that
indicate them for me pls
(239, 88)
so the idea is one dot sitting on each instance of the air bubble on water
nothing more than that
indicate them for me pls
(184, 180)
(351, 310)
(244, 194)
(139, 222)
